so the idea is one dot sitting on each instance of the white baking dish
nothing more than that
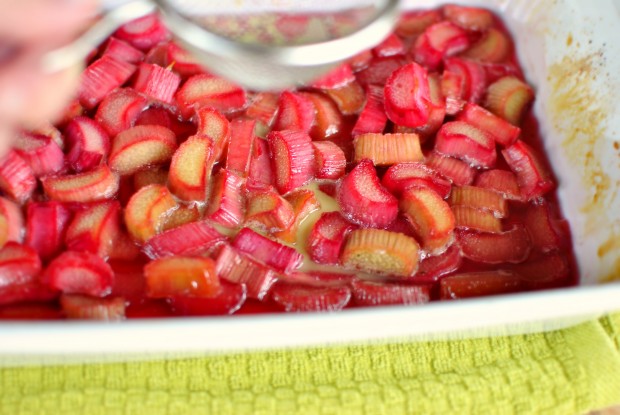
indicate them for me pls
(571, 55)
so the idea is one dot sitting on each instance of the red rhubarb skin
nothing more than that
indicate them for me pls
(364, 200)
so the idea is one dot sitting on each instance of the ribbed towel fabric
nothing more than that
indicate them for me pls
(569, 371)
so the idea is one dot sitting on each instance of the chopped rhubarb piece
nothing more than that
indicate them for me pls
(206, 90)
(407, 96)
(293, 158)
(493, 46)
(368, 292)
(413, 23)
(495, 71)
(437, 107)
(140, 147)
(430, 216)
(434, 267)
(30, 311)
(380, 70)
(318, 278)
(151, 175)
(144, 32)
(453, 90)
(300, 298)
(539, 225)
(470, 18)
(19, 264)
(194, 238)
(402, 225)
(327, 237)
(468, 217)
(402, 176)
(387, 149)
(156, 116)
(438, 41)
(457, 171)
(337, 77)
(304, 202)
(364, 200)
(260, 174)
(495, 248)
(156, 82)
(185, 64)
(227, 203)
(295, 112)
(267, 210)
(79, 273)
(328, 121)
(33, 291)
(349, 98)
(123, 247)
(238, 268)
(372, 119)
(473, 77)
(274, 254)
(83, 307)
(190, 169)
(509, 98)
(119, 110)
(466, 142)
(548, 271)
(329, 159)
(263, 107)
(49, 130)
(478, 197)
(390, 46)
(216, 126)
(41, 153)
(230, 298)
(478, 284)
(241, 143)
(16, 177)
(173, 276)
(11, 222)
(381, 252)
(147, 210)
(158, 55)
(122, 51)
(88, 144)
(95, 229)
(329, 188)
(46, 224)
(501, 181)
(98, 184)
(182, 215)
(500, 130)
(533, 177)
(102, 77)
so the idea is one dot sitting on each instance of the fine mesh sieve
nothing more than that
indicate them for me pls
(260, 44)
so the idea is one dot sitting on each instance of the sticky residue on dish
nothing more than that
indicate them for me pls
(574, 97)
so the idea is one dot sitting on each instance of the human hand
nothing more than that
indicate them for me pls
(29, 29)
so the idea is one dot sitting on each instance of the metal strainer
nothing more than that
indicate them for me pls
(260, 44)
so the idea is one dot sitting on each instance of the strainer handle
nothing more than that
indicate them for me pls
(116, 13)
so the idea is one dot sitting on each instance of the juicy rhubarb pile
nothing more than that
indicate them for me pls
(410, 173)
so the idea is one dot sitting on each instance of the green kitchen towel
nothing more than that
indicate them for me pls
(568, 371)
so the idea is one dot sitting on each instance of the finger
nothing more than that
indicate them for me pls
(29, 97)
(52, 21)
